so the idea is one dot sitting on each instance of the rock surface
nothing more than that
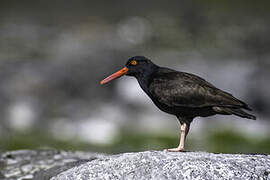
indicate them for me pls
(40, 164)
(63, 165)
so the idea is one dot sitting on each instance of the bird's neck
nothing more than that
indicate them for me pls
(145, 78)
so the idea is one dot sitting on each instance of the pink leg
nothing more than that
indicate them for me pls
(184, 132)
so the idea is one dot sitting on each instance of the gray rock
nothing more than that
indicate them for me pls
(166, 165)
(40, 164)
(55, 165)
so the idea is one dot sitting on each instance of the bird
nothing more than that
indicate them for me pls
(182, 94)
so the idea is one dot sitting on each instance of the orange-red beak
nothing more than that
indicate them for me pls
(115, 75)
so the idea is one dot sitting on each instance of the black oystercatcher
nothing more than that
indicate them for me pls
(182, 94)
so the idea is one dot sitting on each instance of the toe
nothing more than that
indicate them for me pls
(175, 150)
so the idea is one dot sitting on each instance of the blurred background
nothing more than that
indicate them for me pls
(54, 53)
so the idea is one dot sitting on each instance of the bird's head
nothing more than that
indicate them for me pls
(135, 66)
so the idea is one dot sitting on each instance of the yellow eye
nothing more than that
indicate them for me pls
(134, 63)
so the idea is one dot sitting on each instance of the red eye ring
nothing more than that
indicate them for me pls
(134, 62)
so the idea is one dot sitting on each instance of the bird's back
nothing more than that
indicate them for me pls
(187, 93)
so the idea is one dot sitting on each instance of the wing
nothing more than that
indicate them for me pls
(174, 88)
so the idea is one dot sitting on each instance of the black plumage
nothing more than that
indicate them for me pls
(182, 94)
(189, 96)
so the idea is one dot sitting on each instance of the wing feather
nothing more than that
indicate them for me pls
(174, 88)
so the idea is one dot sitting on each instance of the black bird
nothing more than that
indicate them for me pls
(182, 94)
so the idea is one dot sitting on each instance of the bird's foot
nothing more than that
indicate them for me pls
(178, 149)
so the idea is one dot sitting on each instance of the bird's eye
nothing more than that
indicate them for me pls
(134, 63)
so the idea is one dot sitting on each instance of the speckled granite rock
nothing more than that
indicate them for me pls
(40, 164)
(61, 165)
(166, 165)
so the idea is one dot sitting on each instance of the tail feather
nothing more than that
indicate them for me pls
(245, 106)
(235, 111)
